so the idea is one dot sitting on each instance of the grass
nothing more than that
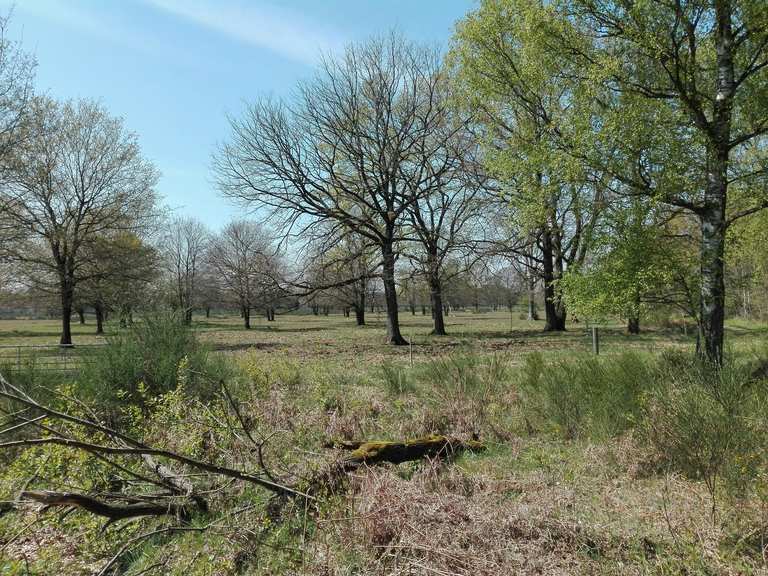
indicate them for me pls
(305, 335)
(573, 481)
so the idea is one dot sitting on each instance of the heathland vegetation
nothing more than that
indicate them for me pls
(498, 308)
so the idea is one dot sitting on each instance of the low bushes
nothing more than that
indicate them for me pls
(706, 422)
(585, 396)
(150, 359)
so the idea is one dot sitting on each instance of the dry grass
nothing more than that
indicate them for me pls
(532, 504)
(588, 514)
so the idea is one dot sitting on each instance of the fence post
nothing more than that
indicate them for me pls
(410, 348)
(595, 340)
(18, 359)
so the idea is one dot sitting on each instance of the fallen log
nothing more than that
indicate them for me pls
(378, 452)
(369, 453)
(105, 509)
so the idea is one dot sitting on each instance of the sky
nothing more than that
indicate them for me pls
(175, 69)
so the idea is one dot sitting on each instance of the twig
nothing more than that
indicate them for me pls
(146, 450)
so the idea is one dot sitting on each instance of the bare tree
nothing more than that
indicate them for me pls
(78, 177)
(444, 216)
(183, 247)
(342, 267)
(242, 257)
(348, 149)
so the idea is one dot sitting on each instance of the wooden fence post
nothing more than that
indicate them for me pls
(595, 340)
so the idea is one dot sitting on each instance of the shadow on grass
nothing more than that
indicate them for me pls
(246, 346)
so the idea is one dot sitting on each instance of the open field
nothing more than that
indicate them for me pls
(568, 484)
(307, 336)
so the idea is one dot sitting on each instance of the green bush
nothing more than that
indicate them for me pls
(584, 396)
(464, 393)
(150, 359)
(708, 422)
(465, 377)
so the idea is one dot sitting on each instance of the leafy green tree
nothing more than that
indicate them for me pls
(636, 263)
(683, 88)
(78, 177)
(506, 74)
(747, 278)
(118, 271)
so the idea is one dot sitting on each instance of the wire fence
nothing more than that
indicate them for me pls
(46, 357)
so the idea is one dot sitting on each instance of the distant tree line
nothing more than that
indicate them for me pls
(589, 159)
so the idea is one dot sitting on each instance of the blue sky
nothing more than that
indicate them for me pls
(173, 69)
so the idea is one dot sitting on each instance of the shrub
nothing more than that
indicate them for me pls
(150, 359)
(396, 379)
(463, 391)
(588, 396)
(708, 422)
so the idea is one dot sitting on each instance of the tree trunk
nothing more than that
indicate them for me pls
(390, 296)
(533, 313)
(81, 314)
(207, 311)
(712, 216)
(359, 315)
(246, 314)
(555, 315)
(423, 310)
(99, 317)
(360, 309)
(712, 313)
(436, 294)
(67, 296)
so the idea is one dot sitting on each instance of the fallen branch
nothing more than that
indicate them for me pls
(201, 465)
(105, 509)
(378, 452)
(130, 445)
(174, 482)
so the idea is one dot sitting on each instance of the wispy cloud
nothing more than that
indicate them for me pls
(281, 31)
(77, 17)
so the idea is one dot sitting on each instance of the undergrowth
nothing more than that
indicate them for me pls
(594, 465)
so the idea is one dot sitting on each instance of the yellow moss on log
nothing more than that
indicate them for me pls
(373, 452)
